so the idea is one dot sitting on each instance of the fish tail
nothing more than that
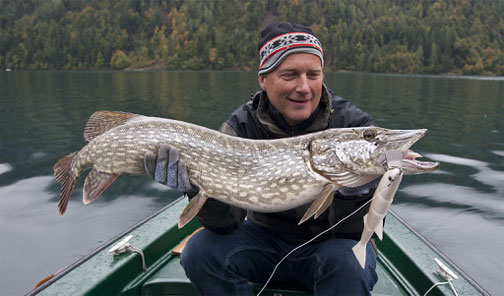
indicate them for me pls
(67, 178)
(359, 251)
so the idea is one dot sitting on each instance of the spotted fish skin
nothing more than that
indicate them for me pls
(236, 170)
(260, 175)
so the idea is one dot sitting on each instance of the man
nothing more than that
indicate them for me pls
(231, 252)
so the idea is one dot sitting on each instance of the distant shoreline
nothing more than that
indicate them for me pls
(455, 72)
(162, 68)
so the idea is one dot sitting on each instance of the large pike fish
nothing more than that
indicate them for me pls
(259, 175)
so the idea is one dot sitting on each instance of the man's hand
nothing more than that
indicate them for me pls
(166, 168)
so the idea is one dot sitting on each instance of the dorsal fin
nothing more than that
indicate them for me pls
(102, 121)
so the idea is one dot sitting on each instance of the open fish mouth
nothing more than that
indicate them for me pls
(404, 139)
(413, 166)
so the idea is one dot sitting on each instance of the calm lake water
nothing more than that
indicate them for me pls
(460, 209)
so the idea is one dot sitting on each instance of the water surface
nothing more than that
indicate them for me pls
(460, 209)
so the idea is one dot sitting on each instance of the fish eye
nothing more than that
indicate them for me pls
(369, 135)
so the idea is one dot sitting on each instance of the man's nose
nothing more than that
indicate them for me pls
(303, 86)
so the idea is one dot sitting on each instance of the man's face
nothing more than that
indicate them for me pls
(295, 86)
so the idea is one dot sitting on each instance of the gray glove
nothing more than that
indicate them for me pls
(166, 168)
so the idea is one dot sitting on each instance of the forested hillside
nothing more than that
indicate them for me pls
(399, 36)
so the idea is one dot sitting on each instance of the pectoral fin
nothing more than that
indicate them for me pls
(320, 204)
(327, 203)
(96, 182)
(192, 208)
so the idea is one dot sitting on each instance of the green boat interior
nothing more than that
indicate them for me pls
(405, 264)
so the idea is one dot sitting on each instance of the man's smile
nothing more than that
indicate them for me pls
(299, 101)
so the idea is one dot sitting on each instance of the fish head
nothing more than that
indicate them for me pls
(362, 151)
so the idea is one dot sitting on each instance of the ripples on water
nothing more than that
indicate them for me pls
(460, 209)
(462, 213)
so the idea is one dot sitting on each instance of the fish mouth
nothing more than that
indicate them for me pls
(402, 140)
(413, 166)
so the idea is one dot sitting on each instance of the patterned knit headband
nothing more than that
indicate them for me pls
(273, 52)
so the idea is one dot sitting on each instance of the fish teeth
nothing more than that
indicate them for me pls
(410, 154)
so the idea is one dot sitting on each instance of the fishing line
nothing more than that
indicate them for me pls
(394, 160)
(314, 238)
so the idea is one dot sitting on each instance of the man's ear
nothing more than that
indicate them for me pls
(262, 79)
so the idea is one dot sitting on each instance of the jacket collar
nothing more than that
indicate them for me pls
(274, 123)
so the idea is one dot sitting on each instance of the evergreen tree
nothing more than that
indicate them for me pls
(419, 58)
(434, 63)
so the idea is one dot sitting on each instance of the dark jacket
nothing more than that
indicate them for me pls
(257, 119)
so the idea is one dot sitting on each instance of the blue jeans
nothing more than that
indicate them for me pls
(224, 264)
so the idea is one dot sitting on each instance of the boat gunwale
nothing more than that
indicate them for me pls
(445, 258)
(90, 255)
